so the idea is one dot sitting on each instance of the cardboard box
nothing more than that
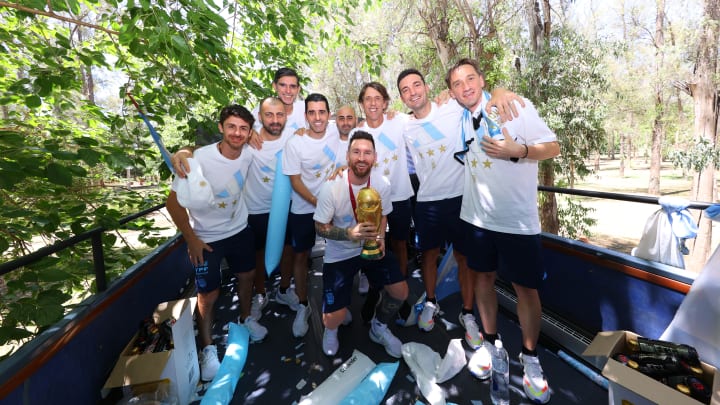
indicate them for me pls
(179, 365)
(630, 387)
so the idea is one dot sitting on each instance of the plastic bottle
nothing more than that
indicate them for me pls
(500, 386)
(689, 385)
(659, 348)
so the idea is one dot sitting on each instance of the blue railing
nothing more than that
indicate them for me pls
(95, 236)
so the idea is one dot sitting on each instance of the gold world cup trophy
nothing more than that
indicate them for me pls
(369, 209)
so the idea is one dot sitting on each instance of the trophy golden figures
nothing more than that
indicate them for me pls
(369, 209)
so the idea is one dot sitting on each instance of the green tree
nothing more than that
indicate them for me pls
(58, 145)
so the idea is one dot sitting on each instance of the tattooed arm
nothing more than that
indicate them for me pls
(330, 231)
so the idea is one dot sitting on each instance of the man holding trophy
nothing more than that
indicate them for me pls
(351, 214)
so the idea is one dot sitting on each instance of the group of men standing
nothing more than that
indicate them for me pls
(475, 191)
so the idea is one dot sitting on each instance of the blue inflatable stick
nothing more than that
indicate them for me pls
(583, 369)
(155, 136)
(277, 222)
(222, 387)
(447, 279)
(374, 386)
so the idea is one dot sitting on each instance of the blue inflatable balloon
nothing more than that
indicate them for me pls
(222, 387)
(277, 222)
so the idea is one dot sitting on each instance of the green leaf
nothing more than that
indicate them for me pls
(11, 138)
(11, 333)
(62, 154)
(180, 43)
(89, 156)
(48, 314)
(59, 174)
(44, 85)
(4, 244)
(16, 213)
(33, 101)
(62, 40)
(86, 141)
(77, 171)
(52, 275)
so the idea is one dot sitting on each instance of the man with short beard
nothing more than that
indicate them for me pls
(218, 229)
(260, 182)
(345, 122)
(337, 221)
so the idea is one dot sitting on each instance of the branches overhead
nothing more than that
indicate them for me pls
(51, 14)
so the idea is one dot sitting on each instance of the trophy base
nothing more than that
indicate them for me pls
(371, 254)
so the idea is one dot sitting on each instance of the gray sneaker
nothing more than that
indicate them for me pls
(289, 298)
(209, 363)
(379, 333)
(259, 302)
(300, 324)
(363, 284)
(330, 342)
(257, 331)
(348, 317)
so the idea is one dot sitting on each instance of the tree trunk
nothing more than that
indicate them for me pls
(540, 27)
(548, 207)
(623, 153)
(437, 23)
(596, 164)
(656, 146)
(658, 130)
(705, 100)
(532, 9)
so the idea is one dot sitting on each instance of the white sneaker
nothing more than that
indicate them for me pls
(209, 363)
(379, 333)
(426, 321)
(257, 331)
(480, 364)
(300, 324)
(259, 302)
(330, 342)
(348, 317)
(472, 332)
(289, 298)
(363, 284)
(534, 383)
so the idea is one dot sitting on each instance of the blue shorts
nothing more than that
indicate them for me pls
(338, 278)
(259, 226)
(399, 220)
(302, 231)
(438, 222)
(239, 252)
(516, 258)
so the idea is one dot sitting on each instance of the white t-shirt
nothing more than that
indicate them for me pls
(313, 159)
(261, 175)
(432, 141)
(228, 215)
(294, 121)
(391, 154)
(334, 206)
(501, 195)
(341, 159)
